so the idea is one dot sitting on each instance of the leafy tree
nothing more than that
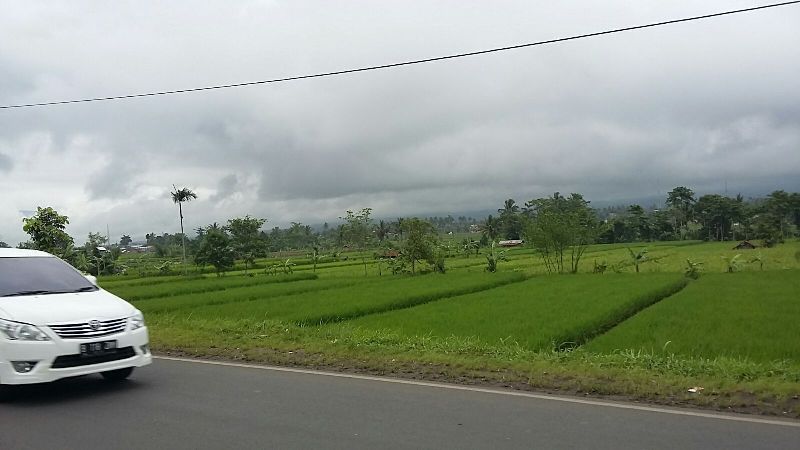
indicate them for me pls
(315, 258)
(637, 224)
(125, 240)
(510, 220)
(287, 266)
(382, 230)
(776, 216)
(638, 258)
(245, 239)
(420, 242)
(468, 245)
(99, 262)
(82, 262)
(733, 264)
(357, 226)
(46, 229)
(680, 202)
(215, 250)
(492, 258)
(166, 245)
(399, 227)
(4, 245)
(561, 224)
(693, 269)
(180, 196)
(718, 213)
(662, 227)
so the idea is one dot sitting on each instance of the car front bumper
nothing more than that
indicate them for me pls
(132, 350)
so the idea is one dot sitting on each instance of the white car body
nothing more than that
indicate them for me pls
(61, 324)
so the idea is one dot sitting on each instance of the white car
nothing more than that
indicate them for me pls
(56, 323)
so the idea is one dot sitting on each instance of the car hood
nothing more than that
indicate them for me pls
(64, 308)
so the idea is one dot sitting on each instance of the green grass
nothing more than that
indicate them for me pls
(367, 297)
(188, 303)
(541, 313)
(753, 315)
(194, 286)
(734, 334)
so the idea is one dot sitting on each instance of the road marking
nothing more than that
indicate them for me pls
(456, 387)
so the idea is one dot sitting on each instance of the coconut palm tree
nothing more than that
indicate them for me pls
(509, 208)
(179, 196)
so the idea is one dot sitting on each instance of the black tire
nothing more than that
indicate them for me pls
(118, 375)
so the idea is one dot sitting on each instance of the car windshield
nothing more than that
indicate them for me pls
(40, 276)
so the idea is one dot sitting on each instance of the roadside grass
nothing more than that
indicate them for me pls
(364, 298)
(751, 315)
(188, 303)
(543, 312)
(730, 384)
(195, 286)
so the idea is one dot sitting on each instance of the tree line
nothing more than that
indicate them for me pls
(558, 227)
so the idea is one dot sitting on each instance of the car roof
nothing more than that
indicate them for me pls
(21, 253)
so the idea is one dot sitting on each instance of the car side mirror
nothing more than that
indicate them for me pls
(92, 279)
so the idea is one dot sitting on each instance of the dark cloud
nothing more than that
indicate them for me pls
(701, 104)
(226, 187)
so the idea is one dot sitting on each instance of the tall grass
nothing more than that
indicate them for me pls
(365, 298)
(190, 302)
(541, 313)
(751, 315)
(158, 290)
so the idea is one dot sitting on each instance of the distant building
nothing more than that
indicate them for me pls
(392, 254)
(745, 245)
(139, 248)
(511, 243)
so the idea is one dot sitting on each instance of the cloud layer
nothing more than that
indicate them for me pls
(703, 104)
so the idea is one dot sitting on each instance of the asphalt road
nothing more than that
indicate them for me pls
(179, 404)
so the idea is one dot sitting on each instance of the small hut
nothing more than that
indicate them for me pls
(745, 245)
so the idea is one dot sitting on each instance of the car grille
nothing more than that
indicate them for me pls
(85, 331)
(65, 361)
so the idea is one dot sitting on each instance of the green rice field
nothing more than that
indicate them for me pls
(540, 313)
(618, 331)
(751, 315)
(358, 300)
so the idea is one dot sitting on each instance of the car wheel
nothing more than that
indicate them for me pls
(117, 375)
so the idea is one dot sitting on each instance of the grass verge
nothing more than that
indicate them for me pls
(730, 384)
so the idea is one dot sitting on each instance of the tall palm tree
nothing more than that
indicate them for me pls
(399, 225)
(179, 196)
(509, 207)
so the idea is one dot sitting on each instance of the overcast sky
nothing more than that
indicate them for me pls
(624, 116)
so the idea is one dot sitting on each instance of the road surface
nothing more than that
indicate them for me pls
(183, 404)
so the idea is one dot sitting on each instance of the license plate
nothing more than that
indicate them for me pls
(98, 348)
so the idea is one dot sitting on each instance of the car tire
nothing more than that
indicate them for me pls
(117, 375)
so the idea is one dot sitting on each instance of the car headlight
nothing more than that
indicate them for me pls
(136, 321)
(21, 331)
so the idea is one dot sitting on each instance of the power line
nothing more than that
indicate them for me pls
(404, 63)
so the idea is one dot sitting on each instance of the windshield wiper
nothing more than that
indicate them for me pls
(37, 292)
(86, 289)
(44, 292)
